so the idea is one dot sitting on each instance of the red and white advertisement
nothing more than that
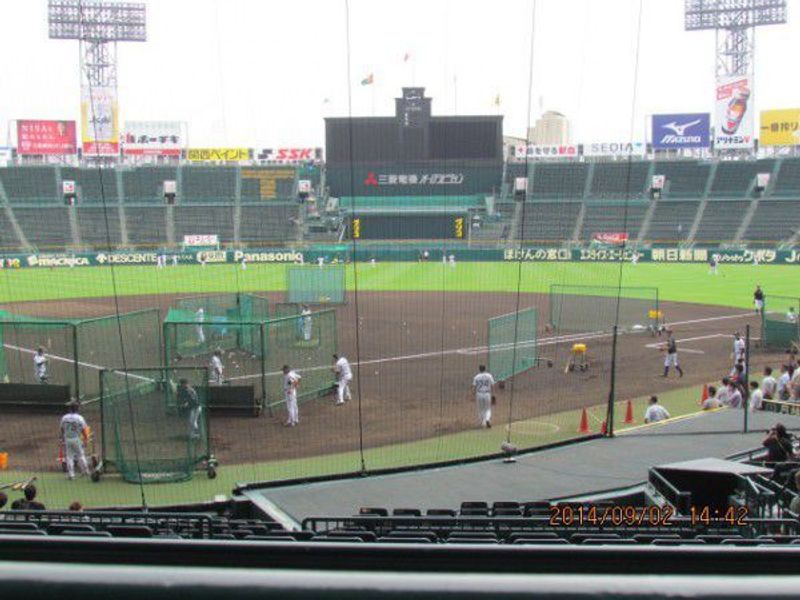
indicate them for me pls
(616, 238)
(46, 137)
(733, 113)
(290, 155)
(201, 240)
(153, 138)
(522, 152)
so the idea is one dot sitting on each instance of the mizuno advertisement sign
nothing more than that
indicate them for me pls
(687, 130)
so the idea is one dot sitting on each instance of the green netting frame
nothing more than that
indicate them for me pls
(77, 348)
(593, 308)
(146, 434)
(778, 330)
(512, 343)
(310, 284)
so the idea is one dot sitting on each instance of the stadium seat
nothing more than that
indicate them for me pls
(406, 512)
(473, 504)
(579, 538)
(404, 540)
(341, 540)
(542, 541)
(532, 535)
(4, 531)
(441, 512)
(137, 531)
(57, 528)
(92, 534)
(378, 512)
(25, 526)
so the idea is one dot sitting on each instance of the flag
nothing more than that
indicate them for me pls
(368, 80)
(497, 100)
(406, 56)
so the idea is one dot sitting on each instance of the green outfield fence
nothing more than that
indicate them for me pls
(589, 308)
(149, 432)
(313, 284)
(781, 322)
(512, 343)
(77, 349)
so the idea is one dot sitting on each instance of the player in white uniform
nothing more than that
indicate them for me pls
(738, 348)
(635, 258)
(73, 432)
(791, 316)
(452, 260)
(216, 367)
(482, 385)
(244, 263)
(291, 381)
(714, 264)
(321, 261)
(655, 412)
(306, 323)
(199, 318)
(344, 375)
(40, 362)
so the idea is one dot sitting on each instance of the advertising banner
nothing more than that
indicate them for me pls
(201, 240)
(46, 137)
(733, 113)
(217, 154)
(614, 149)
(99, 121)
(521, 151)
(686, 130)
(780, 127)
(616, 238)
(290, 155)
(153, 138)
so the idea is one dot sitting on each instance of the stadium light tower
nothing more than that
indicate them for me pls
(98, 26)
(734, 22)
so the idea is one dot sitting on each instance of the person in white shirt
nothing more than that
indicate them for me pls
(635, 258)
(321, 261)
(291, 381)
(768, 384)
(734, 396)
(372, 262)
(712, 402)
(244, 263)
(199, 318)
(655, 412)
(216, 367)
(738, 348)
(482, 386)
(722, 393)
(74, 431)
(794, 384)
(306, 323)
(344, 375)
(174, 260)
(40, 362)
(452, 260)
(783, 384)
(791, 316)
(756, 397)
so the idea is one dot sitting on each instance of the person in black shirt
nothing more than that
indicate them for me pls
(671, 360)
(29, 502)
(758, 299)
(778, 444)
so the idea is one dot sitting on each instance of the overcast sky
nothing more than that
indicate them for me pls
(257, 73)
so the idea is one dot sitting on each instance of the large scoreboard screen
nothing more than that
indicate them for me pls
(408, 226)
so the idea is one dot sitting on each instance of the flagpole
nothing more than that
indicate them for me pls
(455, 94)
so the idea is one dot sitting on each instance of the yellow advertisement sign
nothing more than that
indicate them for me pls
(217, 154)
(99, 121)
(780, 127)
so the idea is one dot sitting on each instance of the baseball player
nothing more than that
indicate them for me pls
(74, 431)
(306, 322)
(188, 400)
(758, 299)
(291, 381)
(791, 316)
(482, 386)
(40, 362)
(738, 348)
(244, 263)
(344, 375)
(199, 317)
(216, 367)
(655, 412)
(671, 360)
(452, 260)
(174, 260)
(635, 259)
(713, 264)
(321, 261)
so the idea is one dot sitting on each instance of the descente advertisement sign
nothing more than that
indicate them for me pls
(397, 254)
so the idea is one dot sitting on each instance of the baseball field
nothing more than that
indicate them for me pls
(421, 334)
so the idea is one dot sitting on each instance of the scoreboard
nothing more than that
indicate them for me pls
(426, 226)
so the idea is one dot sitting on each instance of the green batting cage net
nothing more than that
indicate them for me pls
(593, 308)
(77, 349)
(309, 284)
(781, 324)
(154, 427)
(512, 343)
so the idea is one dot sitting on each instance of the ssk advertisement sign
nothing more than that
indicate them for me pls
(686, 130)
(290, 155)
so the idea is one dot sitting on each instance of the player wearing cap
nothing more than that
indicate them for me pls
(216, 367)
(187, 397)
(306, 323)
(199, 318)
(738, 348)
(758, 299)
(291, 381)
(671, 360)
(655, 412)
(74, 431)
(482, 386)
(344, 375)
(40, 362)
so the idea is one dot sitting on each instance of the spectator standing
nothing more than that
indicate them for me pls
(768, 384)
(756, 397)
(783, 383)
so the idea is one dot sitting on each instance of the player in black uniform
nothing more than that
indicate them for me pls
(671, 360)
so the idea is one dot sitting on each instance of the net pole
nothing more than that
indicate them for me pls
(263, 330)
(102, 417)
(76, 367)
(746, 394)
(612, 385)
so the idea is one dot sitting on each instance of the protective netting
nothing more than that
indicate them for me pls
(781, 323)
(155, 426)
(591, 308)
(312, 284)
(512, 343)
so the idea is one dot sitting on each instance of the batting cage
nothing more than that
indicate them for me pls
(155, 423)
(511, 343)
(77, 349)
(308, 284)
(597, 308)
(780, 324)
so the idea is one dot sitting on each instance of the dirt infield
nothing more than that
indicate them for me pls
(418, 352)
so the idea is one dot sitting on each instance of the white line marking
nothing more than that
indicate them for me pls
(691, 339)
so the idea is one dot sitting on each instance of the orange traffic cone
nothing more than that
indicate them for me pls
(629, 413)
(704, 395)
(584, 426)
(603, 428)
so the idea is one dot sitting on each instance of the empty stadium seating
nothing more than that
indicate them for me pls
(734, 179)
(613, 218)
(267, 222)
(193, 220)
(684, 179)
(8, 238)
(548, 221)
(626, 179)
(720, 220)
(146, 225)
(208, 184)
(93, 185)
(773, 221)
(146, 184)
(45, 227)
(99, 225)
(672, 220)
(415, 203)
(787, 181)
(555, 180)
(30, 185)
